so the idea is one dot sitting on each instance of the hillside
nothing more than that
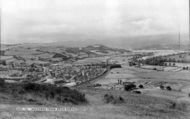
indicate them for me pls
(47, 53)
(166, 41)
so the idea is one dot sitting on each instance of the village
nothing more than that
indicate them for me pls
(54, 74)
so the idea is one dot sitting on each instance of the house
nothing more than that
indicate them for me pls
(6, 59)
(2, 52)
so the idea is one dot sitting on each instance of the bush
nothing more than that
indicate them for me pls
(162, 87)
(2, 82)
(169, 88)
(130, 86)
(97, 85)
(108, 98)
(182, 106)
(141, 86)
(137, 92)
(121, 99)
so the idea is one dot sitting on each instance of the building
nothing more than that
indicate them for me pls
(2, 52)
(6, 59)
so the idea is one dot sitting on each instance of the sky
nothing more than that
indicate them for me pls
(45, 21)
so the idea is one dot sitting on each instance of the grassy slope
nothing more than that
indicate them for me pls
(135, 106)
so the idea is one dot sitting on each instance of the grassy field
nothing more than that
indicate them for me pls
(134, 106)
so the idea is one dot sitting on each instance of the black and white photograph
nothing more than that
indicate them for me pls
(94, 59)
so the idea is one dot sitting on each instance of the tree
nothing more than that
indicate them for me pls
(141, 86)
(170, 60)
(3, 62)
(169, 88)
(161, 87)
(130, 86)
(173, 60)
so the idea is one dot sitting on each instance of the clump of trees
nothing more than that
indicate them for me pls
(167, 87)
(155, 61)
(129, 86)
(185, 68)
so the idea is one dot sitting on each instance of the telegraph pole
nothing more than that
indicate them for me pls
(0, 28)
(179, 42)
(189, 24)
(0, 33)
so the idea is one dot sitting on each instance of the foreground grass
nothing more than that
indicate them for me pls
(139, 105)
(41, 94)
(102, 104)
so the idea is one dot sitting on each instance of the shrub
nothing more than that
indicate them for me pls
(169, 88)
(137, 92)
(108, 98)
(2, 82)
(162, 87)
(130, 86)
(141, 86)
(121, 99)
(97, 85)
(178, 106)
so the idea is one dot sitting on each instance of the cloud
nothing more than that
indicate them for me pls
(24, 20)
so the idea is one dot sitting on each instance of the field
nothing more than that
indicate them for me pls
(177, 80)
(134, 106)
(151, 80)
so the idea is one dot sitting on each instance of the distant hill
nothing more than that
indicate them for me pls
(164, 41)
(55, 53)
(159, 42)
(103, 49)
